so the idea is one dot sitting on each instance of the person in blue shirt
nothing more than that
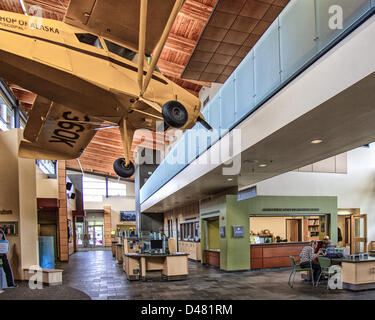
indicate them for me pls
(4, 258)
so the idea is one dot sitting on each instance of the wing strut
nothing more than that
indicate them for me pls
(176, 8)
(127, 134)
(142, 43)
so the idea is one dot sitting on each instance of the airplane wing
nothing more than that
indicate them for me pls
(56, 132)
(120, 19)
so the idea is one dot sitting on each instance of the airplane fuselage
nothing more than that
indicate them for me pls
(72, 67)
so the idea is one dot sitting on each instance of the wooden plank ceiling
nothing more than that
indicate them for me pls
(106, 145)
(233, 29)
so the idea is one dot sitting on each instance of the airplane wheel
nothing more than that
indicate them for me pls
(122, 170)
(175, 114)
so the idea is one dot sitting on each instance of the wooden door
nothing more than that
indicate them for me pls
(292, 230)
(358, 234)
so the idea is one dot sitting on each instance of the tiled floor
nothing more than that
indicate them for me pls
(97, 274)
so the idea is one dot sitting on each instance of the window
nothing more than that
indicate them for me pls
(90, 39)
(6, 116)
(121, 51)
(116, 189)
(94, 189)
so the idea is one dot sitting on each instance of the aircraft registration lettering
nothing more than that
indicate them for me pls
(68, 131)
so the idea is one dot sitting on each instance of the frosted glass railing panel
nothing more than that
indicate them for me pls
(214, 115)
(227, 103)
(297, 44)
(244, 84)
(277, 55)
(352, 10)
(191, 145)
(267, 62)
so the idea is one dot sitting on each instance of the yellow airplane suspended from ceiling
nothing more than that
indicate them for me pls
(94, 71)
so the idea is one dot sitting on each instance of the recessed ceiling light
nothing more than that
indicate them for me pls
(262, 165)
(230, 179)
(316, 141)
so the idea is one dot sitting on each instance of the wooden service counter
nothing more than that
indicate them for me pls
(172, 266)
(119, 252)
(212, 257)
(274, 255)
(358, 274)
(193, 249)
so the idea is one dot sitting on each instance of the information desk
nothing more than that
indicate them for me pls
(358, 274)
(172, 266)
(274, 255)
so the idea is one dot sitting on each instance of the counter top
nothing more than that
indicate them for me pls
(278, 243)
(369, 259)
(174, 254)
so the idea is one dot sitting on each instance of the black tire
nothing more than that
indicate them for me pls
(122, 170)
(175, 114)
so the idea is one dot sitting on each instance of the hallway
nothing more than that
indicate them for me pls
(97, 274)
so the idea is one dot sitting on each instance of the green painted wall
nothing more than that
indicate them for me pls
(235, 252)
(326, 205)
(210, 209)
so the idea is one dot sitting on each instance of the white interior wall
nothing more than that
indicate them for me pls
(117, 204)
(356, 189)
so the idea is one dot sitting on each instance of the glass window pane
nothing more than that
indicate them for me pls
(116, 189)
(121, 51)
(90, 39)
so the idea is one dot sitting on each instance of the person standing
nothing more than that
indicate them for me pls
(4, 258)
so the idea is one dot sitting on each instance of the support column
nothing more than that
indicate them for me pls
(142, 173)
(63, 214)
(107, 226)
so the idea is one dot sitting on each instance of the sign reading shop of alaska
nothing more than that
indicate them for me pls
(6, 211)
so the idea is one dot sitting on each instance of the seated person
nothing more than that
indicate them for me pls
(318, 246)
(326, 242)
(307, 259)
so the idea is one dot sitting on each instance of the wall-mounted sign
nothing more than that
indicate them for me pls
(6, 211)
(222, 232)
(128, 216)
(238, 231)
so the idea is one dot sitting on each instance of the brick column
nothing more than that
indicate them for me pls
(63, 215)
(107, 226)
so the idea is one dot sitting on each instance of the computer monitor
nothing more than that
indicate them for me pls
(156, 244)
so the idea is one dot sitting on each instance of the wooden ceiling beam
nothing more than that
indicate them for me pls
(24, 96)
(48, 5)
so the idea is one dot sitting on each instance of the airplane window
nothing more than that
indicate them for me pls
(121, 51)
(89, 39)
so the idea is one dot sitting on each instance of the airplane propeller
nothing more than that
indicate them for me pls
(204, 123)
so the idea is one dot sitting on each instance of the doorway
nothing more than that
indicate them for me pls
(294, 230)
(96, 235)
(359, 234)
